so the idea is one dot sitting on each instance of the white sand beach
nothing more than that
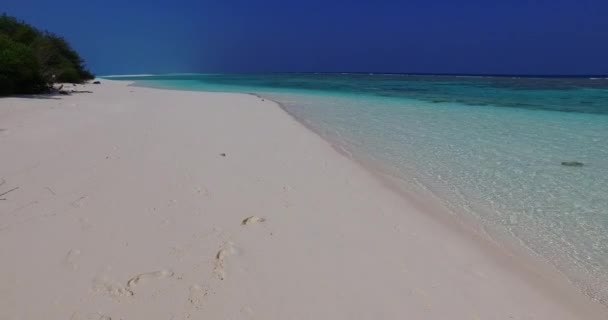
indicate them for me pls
(137, 203)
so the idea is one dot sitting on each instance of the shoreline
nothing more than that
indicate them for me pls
(529, 263)
(496, 243)
(165, 191)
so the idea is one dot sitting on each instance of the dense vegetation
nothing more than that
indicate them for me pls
(32, 60)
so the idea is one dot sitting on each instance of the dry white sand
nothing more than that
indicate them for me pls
(136, 203)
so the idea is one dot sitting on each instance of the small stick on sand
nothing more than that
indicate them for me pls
(51, 191)
(13, 189)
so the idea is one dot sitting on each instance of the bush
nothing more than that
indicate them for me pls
(19, 69)
(32, 60)
(67, 74)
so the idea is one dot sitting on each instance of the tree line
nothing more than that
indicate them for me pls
(31, 60)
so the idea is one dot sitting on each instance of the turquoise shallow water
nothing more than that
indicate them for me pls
(489, 147)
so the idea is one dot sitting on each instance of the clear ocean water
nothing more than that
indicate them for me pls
(490, 148)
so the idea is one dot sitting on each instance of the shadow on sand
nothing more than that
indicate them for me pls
(50, 95)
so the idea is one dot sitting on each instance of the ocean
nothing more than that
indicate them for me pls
(491, 149)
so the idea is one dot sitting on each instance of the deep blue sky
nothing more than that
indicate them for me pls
(433, 36)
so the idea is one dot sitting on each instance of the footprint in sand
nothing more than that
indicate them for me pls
(90, 316)
(84, 224)
(79, 202)
(140, 278)
(118, 290)
(197, 296)
(247, 311)
(252, 220)
(71, 259)
(112, 288)
(220, 260)
(202, 190)
(398, 228)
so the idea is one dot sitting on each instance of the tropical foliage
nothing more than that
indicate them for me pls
(32, 60)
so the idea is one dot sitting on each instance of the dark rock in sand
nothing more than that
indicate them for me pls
(96, 82)
(64, 92)
(572, 164)
(222, 154)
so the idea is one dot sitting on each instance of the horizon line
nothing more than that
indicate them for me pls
(604, 76)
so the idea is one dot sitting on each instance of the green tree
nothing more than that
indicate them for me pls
(19, 69)
(32, 60)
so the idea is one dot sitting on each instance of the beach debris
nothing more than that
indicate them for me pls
(222, 154)
(251, 220)
(572, 164)
(64, 92)
(96, 82)
(4, 193)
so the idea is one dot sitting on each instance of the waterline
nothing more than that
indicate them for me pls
(490, 149)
